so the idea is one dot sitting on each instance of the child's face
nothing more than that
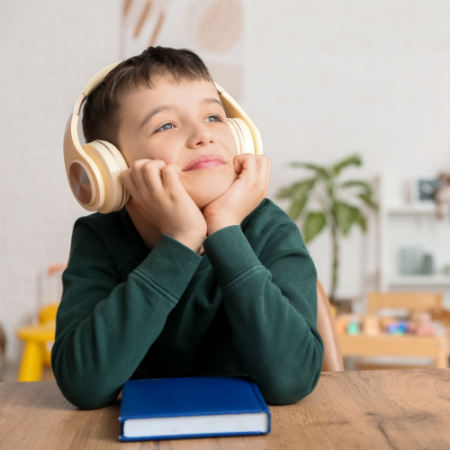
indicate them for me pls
(177, 122)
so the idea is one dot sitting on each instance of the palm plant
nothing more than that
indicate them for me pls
(322, 200)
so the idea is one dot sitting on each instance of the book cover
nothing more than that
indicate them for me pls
(174, 408)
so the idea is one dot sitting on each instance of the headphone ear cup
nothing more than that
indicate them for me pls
(110, 163)
(242, 135)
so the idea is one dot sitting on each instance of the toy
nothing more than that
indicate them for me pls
(421, 324)
(386, 321)
(353, 328)
(397, 328)
(371, 325)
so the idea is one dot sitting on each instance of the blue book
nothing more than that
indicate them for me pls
(174, 408)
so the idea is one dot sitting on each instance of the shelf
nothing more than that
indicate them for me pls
(420, 280)
(414, 210)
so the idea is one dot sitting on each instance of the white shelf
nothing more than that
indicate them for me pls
(420, 280)
(404, 223)
(409, 209)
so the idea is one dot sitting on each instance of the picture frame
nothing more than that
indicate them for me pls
(424, 188)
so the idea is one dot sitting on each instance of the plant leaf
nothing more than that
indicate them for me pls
(352, 160)
(297, 189)
(296, 207)
(314, 223)
(299, 194)
(321, 171)
(366, 187)
(345, 215)
(368, 201)
(361, 221)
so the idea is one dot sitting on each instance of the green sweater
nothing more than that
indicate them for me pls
(247, 306)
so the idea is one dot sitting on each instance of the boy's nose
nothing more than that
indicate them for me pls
(200, 137)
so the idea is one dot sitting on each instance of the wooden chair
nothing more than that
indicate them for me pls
(332, 361)
(434, 347)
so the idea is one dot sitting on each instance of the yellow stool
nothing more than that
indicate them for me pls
(39, 338)
(35, 353)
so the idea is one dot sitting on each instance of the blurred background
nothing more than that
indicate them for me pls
(323, 80)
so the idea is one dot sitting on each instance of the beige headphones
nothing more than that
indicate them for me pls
(93, 169)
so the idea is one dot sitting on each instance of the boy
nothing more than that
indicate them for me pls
(199, 274)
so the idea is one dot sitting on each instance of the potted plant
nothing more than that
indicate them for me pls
(324, 200)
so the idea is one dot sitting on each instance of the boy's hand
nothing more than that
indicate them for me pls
(243, 196)
(157, 192)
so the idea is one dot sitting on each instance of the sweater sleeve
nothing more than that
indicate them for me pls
(105, 327)
(271, 302)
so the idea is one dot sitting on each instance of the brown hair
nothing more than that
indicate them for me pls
(101, 109)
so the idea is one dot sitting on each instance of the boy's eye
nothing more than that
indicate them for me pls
(166, 126)
(214, 117)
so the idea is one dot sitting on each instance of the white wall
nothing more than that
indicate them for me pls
(322, 79)
(48, 50)
(327, 78)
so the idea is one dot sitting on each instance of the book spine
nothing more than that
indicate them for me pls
(262, 404)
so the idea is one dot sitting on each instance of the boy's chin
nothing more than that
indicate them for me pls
(209, 189)
(203, 197)
(202, 200)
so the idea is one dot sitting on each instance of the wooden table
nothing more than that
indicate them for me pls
(399, 409)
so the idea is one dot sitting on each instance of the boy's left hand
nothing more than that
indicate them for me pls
(243, 196)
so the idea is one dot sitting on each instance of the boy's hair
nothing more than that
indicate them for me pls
(101, 109)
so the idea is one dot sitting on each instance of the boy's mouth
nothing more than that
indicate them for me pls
(205, 162)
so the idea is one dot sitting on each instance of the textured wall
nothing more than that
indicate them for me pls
(321, 79)
(48, 50)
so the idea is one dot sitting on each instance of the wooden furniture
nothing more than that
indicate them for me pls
(332, 361)
(435, 347)
(412, 301)
(404, 409)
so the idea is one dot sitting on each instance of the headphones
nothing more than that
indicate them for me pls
(93, 169)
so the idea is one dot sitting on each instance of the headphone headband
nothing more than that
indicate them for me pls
(91, 85)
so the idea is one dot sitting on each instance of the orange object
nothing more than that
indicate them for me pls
(341, 323)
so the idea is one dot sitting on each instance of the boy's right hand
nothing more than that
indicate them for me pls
(157, 192)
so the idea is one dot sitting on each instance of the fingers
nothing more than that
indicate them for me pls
(258, 166)
(245, 161)
(147, 173)
(171, 176)
(142, 176)
(126, 178)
